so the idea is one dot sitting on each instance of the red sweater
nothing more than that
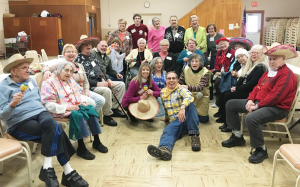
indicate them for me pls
(228, 58)
(137, 33)
(278, 91)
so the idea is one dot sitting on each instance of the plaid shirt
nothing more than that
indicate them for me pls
(174, 101)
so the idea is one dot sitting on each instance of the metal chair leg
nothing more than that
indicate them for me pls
(274, 165)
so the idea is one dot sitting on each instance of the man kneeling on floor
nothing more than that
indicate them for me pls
(27, 119)
(182, 113)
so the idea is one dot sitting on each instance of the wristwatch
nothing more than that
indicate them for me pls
(182, 107)
(256, 106)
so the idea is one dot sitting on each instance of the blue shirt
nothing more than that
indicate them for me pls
(160, 81)
(184, 54)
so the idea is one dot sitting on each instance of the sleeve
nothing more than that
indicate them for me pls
(86, 85)
(203, 39)
(150, 38)
(257, 73)
(110, 71)
(155, 89)
(149, 55)
(130, 92)
(50, 68)
(55, 108)
(186, 35)
(130, 41)
(48, 94)
(180, 57)
(5, 110)
(130, 56)
(111, 37)
(187, 96)
(252, 94)
(217, 63)
(93, 83)
(181, 79)
(173, 64)
(146, 31)
(239, 82)
(208, 50)
(155, 54)
(204, 82)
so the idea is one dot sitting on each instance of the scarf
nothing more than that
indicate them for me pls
(168, 91)
(163, 54)
(223, 57)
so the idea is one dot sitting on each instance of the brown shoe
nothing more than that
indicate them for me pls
(196, 145)
(160, 152)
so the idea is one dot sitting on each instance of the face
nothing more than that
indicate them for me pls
(21, 72)
(223, 45)
(195, 64)
(242, 59)
(194, 22)
(276, 61)
(156, 22)
(211, 30)
(171, 80)
(191, 45)
(145, 72)
(238, 46)
(158, 65)
(116, 46)
(137, 20)
(173, 21)
(86, 48)
(255, 55)
(102, 47)
(122, 25)
(164, 46)
(70, 54)
(66, 73)
(142, 44)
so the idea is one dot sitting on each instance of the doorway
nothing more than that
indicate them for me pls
(92, 24)
(147, 19)
(255, 25)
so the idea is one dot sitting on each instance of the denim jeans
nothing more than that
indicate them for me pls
(93, 125)
(99, 101)
(134, 71)
(161, 111)
(176, 128)
(115, 78)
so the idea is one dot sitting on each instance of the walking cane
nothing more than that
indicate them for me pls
(102, 75)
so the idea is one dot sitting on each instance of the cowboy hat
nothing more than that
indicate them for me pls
(145, 109)
(84, 39)
(15, 60)
(245, 41)
(222, 38)
(278, 49)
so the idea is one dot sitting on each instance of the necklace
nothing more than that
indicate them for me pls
(264, 82)
(68, 95)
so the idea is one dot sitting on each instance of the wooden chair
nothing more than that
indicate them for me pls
(291, 154)
(44, 55)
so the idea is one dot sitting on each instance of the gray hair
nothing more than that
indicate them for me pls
(196, 56)
(173, 16)
(172, 72)
(154, 19)
(153, 62)
(61, 66)
(164, 40)
(141, 39)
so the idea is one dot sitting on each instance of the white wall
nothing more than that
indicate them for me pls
(3, 9)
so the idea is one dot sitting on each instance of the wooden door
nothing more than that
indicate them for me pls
(93, 24)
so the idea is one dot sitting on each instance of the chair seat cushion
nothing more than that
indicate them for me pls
(8, 147)
(62, 119)
(292, 153)
(282, 120)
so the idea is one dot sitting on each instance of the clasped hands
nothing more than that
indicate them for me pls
(250, 106)
(146, 94)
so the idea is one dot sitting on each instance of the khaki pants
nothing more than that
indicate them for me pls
(119, 91)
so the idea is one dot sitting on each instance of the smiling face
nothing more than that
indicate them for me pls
(156, 22)
(137, 20)
(122, 26)
(194, 22)
(242, 59)
(145, 72)
(164, 46)
(70, 54)
(255, 54)
(191, 45)
(66, 73)
(116, 45)
(86, 48)
(141, 45)
(171, 80)
(276, 61)
(173, 21)
(195, 64)
(158, 64)
(223, 44)
(211, 30)
(20, 72)
(102, 47)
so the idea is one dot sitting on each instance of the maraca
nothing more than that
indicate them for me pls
(145, 87)
(112, 45)
(24, 87)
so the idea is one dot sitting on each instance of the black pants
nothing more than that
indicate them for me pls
(128, 112)
(216, 86)
(42, 128)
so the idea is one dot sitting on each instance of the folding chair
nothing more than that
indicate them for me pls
(44, 55)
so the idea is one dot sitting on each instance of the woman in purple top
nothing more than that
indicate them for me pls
(136, 90)
(155, 35)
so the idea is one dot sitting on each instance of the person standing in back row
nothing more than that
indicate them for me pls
(137, 30)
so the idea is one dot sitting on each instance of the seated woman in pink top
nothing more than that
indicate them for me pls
(136, 90)
(155, 35)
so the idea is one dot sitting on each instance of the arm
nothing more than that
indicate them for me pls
(130, 41)
(180, 57)
(203, 39)
(239, 82)
(148, 55)
(130, 56)
(55, 108)
(5, 109)
(204, 82)
(187, 96)
(132, 89)
(110, 71)
(111, 37)
(173, 64)
(50, 68)
(181, 79)
(186, 35)
(155, 89)
(257, 73)
(252, 94)
(86, 85)
(146, 31)
(150, 38)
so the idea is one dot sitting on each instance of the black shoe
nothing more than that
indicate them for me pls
(159, 152)
(258, 156)
(234, 141)
(117, 113)
(73, 179)
(196, 144)
(223, 126)
(220, 120)
(217, 115)
(49, 177)
(85, 154)
(109, 121)
(150, 120)
(226, 129)
(101, 148)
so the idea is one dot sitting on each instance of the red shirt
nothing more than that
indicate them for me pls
(137, 33)
(226, 62)
(276, 91)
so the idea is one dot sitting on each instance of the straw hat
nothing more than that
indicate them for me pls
(145, 109)
(280, 49)
(221, 39)
(84, 39)
(15, 60)
(245, 41)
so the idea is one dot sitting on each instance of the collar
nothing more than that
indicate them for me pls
(144, 80)
(10, 81)
(273, 72)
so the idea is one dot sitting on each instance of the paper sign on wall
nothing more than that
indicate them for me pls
(222, 31)
(149, 22)
(87, 19)
(231, 26)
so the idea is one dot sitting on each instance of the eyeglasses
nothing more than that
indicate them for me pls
(71, 52)
(24, 69)
(171, 78)
(158, 62)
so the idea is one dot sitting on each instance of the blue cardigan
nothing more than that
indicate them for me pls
(184, 54)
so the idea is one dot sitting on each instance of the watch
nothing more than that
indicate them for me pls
(182, 107)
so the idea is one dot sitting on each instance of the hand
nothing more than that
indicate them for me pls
(143, 61)
(164, 71)
(119, 76)
(84, 103)
(17, 98)
(72, 107)
(132, 60)
(183, 86)
(252, 108)
(185, 59)
(47, 75)
(235, 74)
(199, 48)
(87, 93)
(249, 104)
(102, 84)
(150, 50)
(111, 83)
(144, 96)
(233, 89)
(149, 92)
(181, 115)
(164, 120)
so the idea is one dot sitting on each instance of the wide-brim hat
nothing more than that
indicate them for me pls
(145, 109)
(245, 41)
(15, 60)
(84, 39)
(278, 49)
(222, 38)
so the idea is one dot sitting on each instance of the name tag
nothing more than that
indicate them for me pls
(93, 64)
(133, 31)
(169, 58)
(189, 53)
(127, 37)
(141, 32)
(68, 89)
(79, 70)
(211, 39)
(176, 35)
(228, 55)
(30, 85)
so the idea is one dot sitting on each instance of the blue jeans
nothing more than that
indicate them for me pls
(161, 111)
(115, 78)
(93, 125)
(134, 71)
(98, 99)
(176, 128)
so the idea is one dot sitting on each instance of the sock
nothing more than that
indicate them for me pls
(67, 168)
(47, 163)
(96, 141)
(263, 147)
(237, 133)
(81, 146)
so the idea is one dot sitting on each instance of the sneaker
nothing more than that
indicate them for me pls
(101, 148)
(109, 121)
(214, 105)
(258, 156)
(211, 101)
(49, 177)
(234, 141)
(73, 179)
(196, 145)
(160, 152)
(117, 113)
(86, 155)
(217, 115)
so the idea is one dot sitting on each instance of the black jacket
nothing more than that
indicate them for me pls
(177, 45)
(169, 62)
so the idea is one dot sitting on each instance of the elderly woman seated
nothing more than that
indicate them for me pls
(270, 100)
(62, 96)
(195, 78)
(169, 59)
(116, 58)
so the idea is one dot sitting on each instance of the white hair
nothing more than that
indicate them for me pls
(141, 39)
(62, 65)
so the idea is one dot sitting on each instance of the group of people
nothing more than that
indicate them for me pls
(170, 78)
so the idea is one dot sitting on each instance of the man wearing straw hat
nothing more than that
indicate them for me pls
(27, 119)
(182, 113)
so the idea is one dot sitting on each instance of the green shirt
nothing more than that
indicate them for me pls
(211, 44)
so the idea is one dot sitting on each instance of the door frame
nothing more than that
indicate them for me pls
(262, 23)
